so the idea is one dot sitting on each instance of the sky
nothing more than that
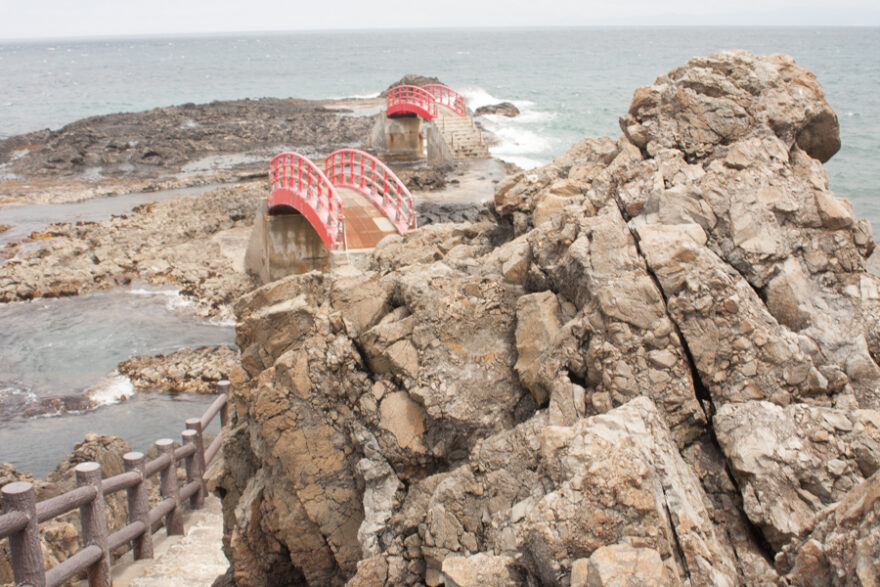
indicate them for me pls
(23, 19)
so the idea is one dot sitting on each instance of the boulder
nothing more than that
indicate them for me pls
(501, 109)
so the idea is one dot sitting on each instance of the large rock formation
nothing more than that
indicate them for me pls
(658, 362)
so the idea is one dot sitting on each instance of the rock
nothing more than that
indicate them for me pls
(413, 79)
(786, 470)
(842, 546)
(621, 564)
(186, 371)
(193, 138)
(167, 243)
(689, 302)
(502, 109)
(480, 570)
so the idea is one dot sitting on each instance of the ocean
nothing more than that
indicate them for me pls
(568, 83)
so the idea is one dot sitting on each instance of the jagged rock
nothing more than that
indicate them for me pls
(621, 564)
(843, 545)
(166, 242)
(480, 570)
(547, 387)
(502, 108)
(413, 79)
(185, 371)
(792, 462)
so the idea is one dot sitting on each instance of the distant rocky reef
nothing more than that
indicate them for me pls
(658, 360)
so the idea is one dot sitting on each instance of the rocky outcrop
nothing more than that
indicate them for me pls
(185, 371)
(191, 138)
(413, 79)
(501, 109)
(166, 242)
(657, 362)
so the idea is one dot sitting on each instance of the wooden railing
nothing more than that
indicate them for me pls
(23, 515)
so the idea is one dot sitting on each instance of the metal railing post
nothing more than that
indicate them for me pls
(94, 523)
(195, 463)
(24, 546)
(139, 506)
(169, 488)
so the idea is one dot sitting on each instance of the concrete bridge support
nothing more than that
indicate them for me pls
(399, 137)
(284, 244)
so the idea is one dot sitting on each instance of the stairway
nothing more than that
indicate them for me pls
(462, 136)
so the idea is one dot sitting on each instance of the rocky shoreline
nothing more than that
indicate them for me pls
(658, 361)
(654, 360)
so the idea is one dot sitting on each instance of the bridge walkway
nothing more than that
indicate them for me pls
(365, 224)
(461, 134)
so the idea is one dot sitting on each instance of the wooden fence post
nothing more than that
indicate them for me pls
(195, 463)
(139, 506)
(94, 523)
(24, 546)
(170, 488)
(223, 386)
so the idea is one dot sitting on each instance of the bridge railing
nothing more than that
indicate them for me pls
(364, 173)
(407, 99)
(297, 182)
(447, 97)
(23, 515)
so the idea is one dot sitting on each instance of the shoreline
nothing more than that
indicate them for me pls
(52, 261)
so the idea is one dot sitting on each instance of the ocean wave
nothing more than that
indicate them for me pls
(175, 300)
(110, 390)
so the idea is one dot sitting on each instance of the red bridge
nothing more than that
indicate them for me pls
(423, 100)
(350, 178)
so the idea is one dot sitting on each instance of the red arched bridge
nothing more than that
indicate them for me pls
(423, 100)
(349, 175)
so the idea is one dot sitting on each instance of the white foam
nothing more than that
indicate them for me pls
(111, 390)
(175, 300)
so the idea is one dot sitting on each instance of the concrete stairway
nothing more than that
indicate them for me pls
(462, 136)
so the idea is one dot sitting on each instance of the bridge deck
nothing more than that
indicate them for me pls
(365, 225)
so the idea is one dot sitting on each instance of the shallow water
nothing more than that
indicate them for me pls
(37, 445)
(28, 218)
(53, 350)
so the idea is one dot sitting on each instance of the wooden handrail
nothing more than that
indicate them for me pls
(61, 504)
(23, 514)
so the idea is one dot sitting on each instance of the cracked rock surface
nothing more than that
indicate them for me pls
(657, 362)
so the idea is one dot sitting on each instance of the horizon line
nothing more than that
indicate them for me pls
(226, 33)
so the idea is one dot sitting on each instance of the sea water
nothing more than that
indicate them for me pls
(568, 83)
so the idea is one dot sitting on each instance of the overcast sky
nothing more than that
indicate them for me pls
(88, 18)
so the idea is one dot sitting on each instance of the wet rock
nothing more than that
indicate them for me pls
(193, 138)
(163, 243)
(186, 371)
(502, 109)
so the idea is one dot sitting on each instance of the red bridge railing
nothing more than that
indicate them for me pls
(23, 515)
(297, 183)
(354, 169)
(447, 97)
(411, 100)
